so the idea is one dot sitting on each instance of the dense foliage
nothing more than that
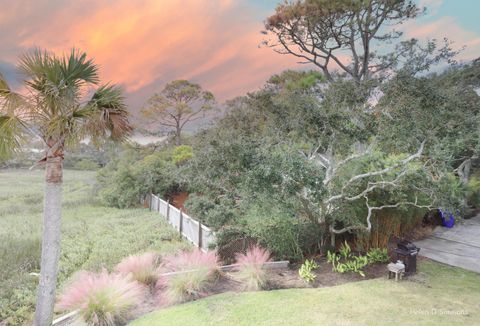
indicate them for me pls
(315, 154)
(257, 172)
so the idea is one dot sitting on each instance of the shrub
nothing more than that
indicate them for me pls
(195, 271)
(102, 299)
(123, 183)
(198, 206)
(182, 154)
(473, 190)
(286, 237)
(250, 269)
(306, 269)
(142, 268)
(215, 213)
(377, 255)
(86, 164)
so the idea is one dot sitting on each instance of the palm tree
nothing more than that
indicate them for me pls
(56, 107)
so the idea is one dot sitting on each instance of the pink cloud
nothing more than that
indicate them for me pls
(446, 27)
(143, 44)
(138, 43)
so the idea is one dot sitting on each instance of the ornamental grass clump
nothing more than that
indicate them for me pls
(250, 269)
(141, 268)
(102, 299)
(191, 274)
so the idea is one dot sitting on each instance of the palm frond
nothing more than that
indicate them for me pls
(12, 127)
(57, 87)
(10, 100)
(36, 65)
(75, 68)
(12, 134)
(107, 114)
(58, 81)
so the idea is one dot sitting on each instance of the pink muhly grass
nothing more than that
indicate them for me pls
(102, 299)
(142, 268)
(250, 269)
(192, 272)
(191, 260)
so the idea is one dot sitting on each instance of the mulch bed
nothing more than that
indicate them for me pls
(282, 278)
(287, 278)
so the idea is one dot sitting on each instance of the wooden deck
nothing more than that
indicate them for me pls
(458, 246)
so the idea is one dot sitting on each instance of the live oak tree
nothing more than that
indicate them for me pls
(359, 178)
(355, 45)
(179, 103)
(343, 34)
(56, 108)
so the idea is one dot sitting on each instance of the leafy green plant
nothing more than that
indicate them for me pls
(332, 257)
(345, 250)
(355, 264)
(346, 262)
(306, 269)
(377, 255)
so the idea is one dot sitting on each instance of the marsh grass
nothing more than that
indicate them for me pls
(93, 237)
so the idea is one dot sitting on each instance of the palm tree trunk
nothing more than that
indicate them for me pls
(50, 242)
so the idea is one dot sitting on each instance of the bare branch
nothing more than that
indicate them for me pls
(370, 209)
(412, 157)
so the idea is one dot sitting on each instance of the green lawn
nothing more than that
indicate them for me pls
(93, 237)
(441, 295)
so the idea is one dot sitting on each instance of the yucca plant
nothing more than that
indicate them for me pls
(55, 107)
(191, 273)
(102, 299)
(250, 270)
(141, 268)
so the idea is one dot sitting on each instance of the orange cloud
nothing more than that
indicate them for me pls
(149, 42)
(143, 44)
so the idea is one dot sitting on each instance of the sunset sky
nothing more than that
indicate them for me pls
(143, 44)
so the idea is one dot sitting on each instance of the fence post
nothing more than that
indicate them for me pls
(180, 227)
(158, 203)
(168, 210)
(199, 235)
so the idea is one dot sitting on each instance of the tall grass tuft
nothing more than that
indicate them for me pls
(102, 299)
(192, 273)
(250, 268)
(142, 268)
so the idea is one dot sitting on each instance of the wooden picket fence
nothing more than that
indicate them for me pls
(194, 231)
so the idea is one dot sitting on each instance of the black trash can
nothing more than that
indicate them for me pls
(407, 252)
